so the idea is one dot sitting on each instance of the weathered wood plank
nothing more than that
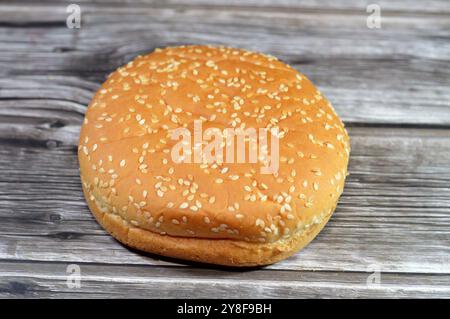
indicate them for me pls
(397, 196)
(50, 280)
(35, 106)
(334, 6)
(398, 74)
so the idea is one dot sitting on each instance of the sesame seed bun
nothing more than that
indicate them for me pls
(220, 213)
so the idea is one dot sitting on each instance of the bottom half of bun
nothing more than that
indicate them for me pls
(226, 252)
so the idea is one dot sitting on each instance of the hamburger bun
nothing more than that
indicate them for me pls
(225, 213)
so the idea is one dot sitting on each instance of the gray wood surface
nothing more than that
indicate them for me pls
(390, 85)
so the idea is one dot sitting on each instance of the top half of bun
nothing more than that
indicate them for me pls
(124, 148)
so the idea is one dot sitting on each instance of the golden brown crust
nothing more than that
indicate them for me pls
(190, 210)
(226, 252)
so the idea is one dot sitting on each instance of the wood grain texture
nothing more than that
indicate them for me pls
(397, 74)
(398, 7)
(50, 280)
(391, 87)
(396, 203)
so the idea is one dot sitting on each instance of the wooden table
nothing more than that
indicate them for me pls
(390, 85)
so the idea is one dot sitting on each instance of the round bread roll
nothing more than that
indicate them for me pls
(221, 212)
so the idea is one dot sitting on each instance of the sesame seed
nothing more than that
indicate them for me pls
(259, 222)
(184, 205)
(133, 222)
